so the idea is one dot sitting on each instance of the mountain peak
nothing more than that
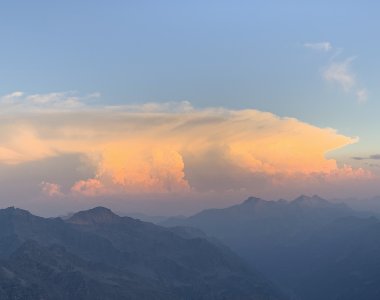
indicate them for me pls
(252, 200)
(13, 211)
(96, 215)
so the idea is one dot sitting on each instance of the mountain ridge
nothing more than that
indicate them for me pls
(270, 234)
(99, 249)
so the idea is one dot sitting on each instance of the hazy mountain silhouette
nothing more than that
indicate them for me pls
(371, 204)
(96, 254)
(341, 261)
(144, 217)
(299, 244)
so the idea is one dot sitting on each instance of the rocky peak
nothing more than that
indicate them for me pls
(252, 200)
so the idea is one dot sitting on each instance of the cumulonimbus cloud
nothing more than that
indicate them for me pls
(172, 148)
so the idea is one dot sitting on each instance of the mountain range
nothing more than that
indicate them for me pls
(310, 247)
(96, 254)
(305, 249)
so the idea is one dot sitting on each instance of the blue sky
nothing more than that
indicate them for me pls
(211, 53)
(302, 59)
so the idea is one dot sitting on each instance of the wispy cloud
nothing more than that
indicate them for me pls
(20, 101)
(340, 72)
(11, 98)
(321, 46)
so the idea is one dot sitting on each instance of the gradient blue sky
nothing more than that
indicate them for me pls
(234, 54)
(262, 55)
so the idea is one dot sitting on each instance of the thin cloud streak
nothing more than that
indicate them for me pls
(370, 157)
(321, 46)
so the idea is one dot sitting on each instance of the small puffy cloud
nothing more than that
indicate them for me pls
(51, 189)
(321, 46)
(173, 148)
(89, 187)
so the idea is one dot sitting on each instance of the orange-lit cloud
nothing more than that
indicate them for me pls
(166, 148)
(51, 189)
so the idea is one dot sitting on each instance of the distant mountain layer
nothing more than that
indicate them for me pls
(96, 254)
(311, 247)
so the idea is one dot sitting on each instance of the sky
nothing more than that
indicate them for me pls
(168, 107)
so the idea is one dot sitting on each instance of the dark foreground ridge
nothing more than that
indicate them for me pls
(96, 254)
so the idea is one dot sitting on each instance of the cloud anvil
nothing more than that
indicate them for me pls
(172, 147)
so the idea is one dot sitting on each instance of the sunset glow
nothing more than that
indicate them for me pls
(166, 148)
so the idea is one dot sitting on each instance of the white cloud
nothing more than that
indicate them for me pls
(51, 189)
(19, 101)
(11, 98)
(322, 46)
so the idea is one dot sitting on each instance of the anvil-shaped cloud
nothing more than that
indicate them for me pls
(163, 148)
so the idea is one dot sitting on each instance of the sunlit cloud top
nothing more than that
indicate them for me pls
(166, 148)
